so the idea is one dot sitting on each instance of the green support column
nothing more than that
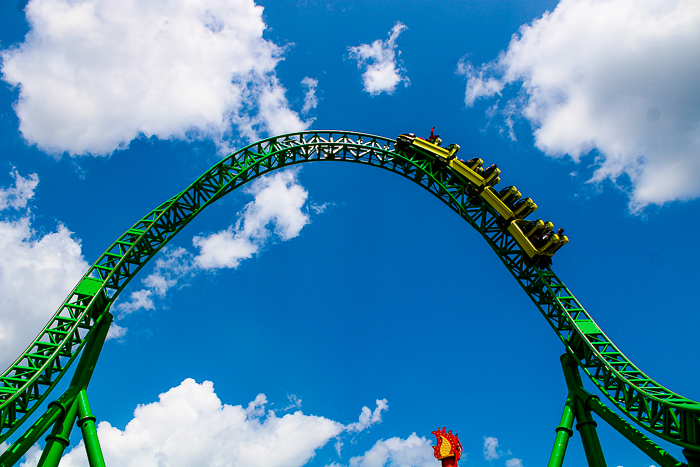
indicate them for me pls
(564, 433)
(88, 360)
(647, 446)
(586, 425)
(86, 422)
(59, 440)
(589, 435)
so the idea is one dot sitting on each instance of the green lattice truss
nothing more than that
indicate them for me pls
(30, 379)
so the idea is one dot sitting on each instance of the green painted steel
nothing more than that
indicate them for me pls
(564, 433)
(59, 439)
(30, 379)
(647, 446)
(586, 425)
(58, 409)
(86, 422)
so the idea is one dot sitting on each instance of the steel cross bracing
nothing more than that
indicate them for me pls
(29, 380)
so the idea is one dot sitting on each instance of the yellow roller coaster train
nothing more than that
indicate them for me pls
(536, 238)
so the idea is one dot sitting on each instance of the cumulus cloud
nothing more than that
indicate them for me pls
(479, 84)
(276, 212)
(294, 403)
(94, 75)
(491, 451)
(18, 196)
(310, 99)
(190, 426)
(37, 270)
(618, 79)
(139, 299)
(116, 332)
(273, 116)
(413, 451)
(367, 417)
(279, 200)
(382, 72)
(174, 265)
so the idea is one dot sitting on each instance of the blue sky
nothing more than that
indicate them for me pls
(301, 321)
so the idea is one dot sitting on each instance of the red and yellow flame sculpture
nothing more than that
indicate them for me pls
(448, 448)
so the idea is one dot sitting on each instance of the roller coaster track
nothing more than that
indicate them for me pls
(30, 379)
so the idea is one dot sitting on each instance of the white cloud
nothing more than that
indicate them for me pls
(279, 200)
(32, 457)
(382, 71)
(514, 462)
(491, 451)
(274, 116)
(396, 452)
(294, 403)
(189, 426)
(174, 265)
(310, 99)
(139, 299)
(617, 77)
(95, 74)
(321, 208)
(224, 249)
(276, 212)
(116, 332)
(477, 85)
(37, 271)
(16, 197)
(367, 417)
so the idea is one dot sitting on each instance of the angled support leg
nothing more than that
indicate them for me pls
(86, 422)
(586, 425)
(646, 445)
(59, 439)
(564, 433)
(589, 436)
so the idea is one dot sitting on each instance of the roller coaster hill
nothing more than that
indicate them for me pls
(77, 331)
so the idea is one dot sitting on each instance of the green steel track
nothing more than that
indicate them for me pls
(30, 379)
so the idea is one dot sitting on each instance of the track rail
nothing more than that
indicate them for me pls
(30, 379)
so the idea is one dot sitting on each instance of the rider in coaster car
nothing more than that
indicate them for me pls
(535, 229)
(435, 139)
(487, 172)
(545, 238)
(509, 194)
(474, 163)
